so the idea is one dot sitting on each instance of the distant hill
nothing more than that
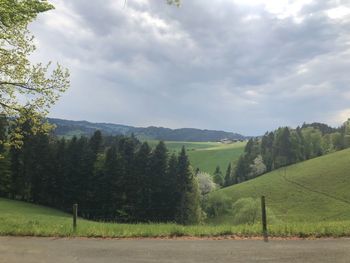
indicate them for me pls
(70, 128)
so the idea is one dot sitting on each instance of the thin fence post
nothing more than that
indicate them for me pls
(263, 218)
(75, 215)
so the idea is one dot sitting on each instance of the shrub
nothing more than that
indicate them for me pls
(217, 205)
(248, 211)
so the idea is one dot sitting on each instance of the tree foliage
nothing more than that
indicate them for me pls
(287, 146)
(27, 90)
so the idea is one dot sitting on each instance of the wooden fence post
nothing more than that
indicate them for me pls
(263, 218)
(75, 215)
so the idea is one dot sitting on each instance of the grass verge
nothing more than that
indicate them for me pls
(23, 219)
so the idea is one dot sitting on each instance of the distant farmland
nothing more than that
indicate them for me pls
(207, 155)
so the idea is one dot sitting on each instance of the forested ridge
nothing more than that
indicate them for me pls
(114, 178)
(68, 128)
(286, 146)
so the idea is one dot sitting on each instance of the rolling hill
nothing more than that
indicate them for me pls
(316, 190)
(70, 128)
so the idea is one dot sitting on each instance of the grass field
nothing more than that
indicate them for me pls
(206, 159)
(207, 155)
(316, 190)
(23, 219)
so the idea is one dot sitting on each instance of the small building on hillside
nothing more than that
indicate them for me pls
(228, 141)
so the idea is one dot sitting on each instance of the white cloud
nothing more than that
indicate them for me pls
(281, 8)
(340, 117)
(338, 12)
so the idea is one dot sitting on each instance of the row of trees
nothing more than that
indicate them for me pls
(287, 146)
(111, 178)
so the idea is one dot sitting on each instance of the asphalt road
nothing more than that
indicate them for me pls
(36, 250)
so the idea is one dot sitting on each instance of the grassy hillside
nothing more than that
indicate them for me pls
(207, 155)
(312, 191)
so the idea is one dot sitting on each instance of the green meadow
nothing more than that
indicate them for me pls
(207, 155)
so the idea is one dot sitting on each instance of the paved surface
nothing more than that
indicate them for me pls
(36, 250)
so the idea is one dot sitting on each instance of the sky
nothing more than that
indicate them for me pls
(245, 66)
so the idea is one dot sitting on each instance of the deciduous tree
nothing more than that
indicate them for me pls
(27, 90)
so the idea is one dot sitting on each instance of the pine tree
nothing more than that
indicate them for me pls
(72, 187)
(96, 142)
(3, 132)
(128, 184)
(188, 211)
(267, 150)
(282, 154)
(218, 178)
(228, 177)
(158, 173)
(5, 173)
(39, 165)
(143, 182)
(173, 196)
(111, 186)
(58, 173)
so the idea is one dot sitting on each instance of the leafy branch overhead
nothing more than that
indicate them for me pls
(27, 90)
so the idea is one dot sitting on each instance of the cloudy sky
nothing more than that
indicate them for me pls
(237, 65)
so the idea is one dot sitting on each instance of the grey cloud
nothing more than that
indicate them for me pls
(208, 64)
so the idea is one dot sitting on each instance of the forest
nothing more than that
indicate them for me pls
(286, 146)
(111, 178)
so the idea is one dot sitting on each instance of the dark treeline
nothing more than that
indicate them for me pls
(111, 178)
(287, 146)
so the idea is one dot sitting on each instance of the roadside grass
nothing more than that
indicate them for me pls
(23, 219)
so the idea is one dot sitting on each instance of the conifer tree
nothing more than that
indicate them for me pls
(39, 168)
(143, 182)
(5, 173)
(72, 173)
(126, 151)
(158, 173)
(173, 195)
(218, 178)
(111, 183)
(282, 148)
(188, 211)
(58, 163)
(228, 176)
(96, 142)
